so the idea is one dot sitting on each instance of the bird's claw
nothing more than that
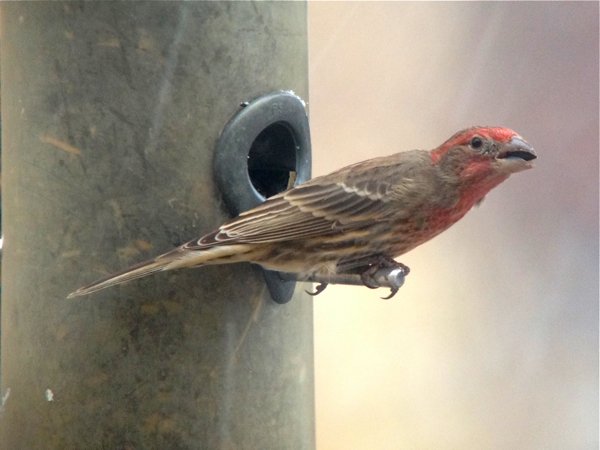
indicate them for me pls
(320, 288)
(393, 292)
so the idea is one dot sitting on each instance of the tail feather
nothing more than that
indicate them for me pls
(175, 259)
(131, 273)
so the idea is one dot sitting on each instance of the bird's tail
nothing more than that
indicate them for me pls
(177, 258)
(131, 273)
(184, 256)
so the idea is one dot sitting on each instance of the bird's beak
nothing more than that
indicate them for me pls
(516, 155)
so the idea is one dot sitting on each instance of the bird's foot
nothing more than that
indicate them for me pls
(395, 273)
(378, 271)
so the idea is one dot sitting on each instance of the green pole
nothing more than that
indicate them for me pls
(111, 112)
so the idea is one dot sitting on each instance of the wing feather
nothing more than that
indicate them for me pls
(349, 198)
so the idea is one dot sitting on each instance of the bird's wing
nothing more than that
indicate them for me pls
(349, 198)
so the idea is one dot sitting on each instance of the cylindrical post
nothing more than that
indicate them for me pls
(111, 112)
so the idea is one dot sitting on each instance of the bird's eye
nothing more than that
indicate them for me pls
(476, 142)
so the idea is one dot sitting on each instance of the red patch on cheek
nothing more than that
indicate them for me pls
(475, 168)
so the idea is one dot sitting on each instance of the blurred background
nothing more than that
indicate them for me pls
(493, 340)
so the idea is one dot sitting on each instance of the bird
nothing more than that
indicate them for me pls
(358, 219)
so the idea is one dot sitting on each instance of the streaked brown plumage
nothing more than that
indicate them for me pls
(345, 221)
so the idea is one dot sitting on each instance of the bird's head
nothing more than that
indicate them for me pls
(480, 153)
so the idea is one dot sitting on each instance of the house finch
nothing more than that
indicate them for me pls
(357, 219)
